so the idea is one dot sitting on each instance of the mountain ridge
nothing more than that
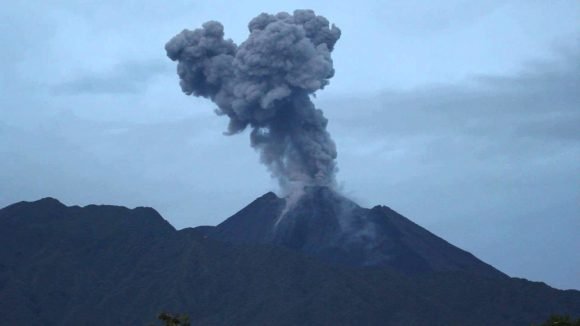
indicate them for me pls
(112, 265)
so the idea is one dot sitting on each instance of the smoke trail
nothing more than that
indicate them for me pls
(265, 83)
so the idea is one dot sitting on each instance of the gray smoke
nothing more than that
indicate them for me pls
(265, 83)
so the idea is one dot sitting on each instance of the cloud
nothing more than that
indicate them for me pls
(485, 164)
(414, 16)
(541, 103)
(128, 77)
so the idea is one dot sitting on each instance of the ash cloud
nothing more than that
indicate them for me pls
(265, 84)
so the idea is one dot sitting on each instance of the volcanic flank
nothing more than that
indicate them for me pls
(327, 225)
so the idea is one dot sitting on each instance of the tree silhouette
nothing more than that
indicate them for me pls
(558, 320)
(174, 320)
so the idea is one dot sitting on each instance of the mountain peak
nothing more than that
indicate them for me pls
(107, 218)
(322, 222)
(269, 196)
(49, 201)
(46, 202)
(47, 207)
(320, 193)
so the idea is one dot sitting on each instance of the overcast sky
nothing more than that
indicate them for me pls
(463, 116)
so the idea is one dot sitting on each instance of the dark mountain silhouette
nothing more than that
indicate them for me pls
(325, 224)
(107, 265)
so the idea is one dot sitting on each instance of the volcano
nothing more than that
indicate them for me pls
(319, 259)
(327, 225)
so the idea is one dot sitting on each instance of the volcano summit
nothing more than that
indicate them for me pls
(327, 225)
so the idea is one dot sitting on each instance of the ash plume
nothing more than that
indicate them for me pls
(265, 84)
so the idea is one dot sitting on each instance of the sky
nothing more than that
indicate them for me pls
(463, 116)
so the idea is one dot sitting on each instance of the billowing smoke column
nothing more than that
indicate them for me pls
(265, 83)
